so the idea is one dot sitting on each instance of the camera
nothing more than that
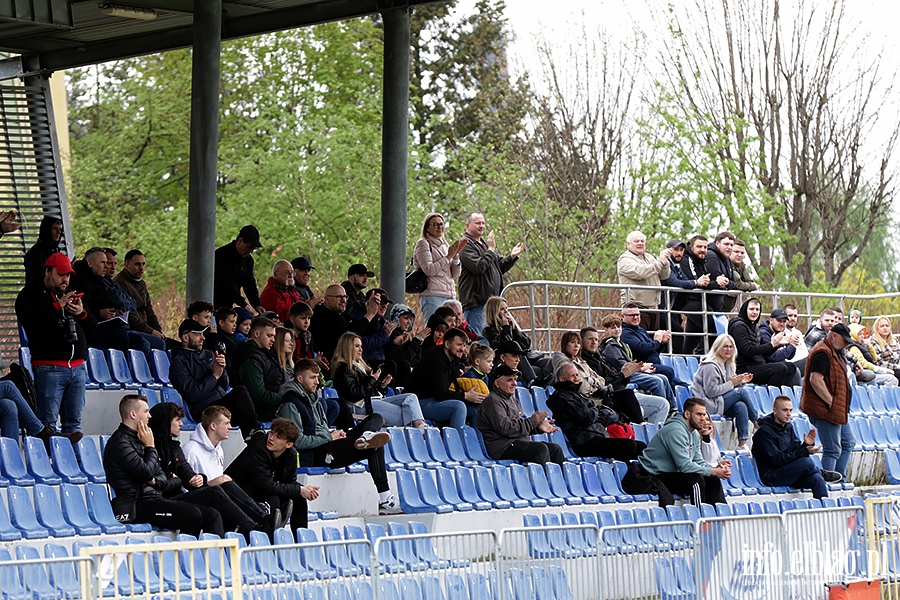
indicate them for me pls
(67, 324)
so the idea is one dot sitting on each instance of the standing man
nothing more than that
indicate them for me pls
(742, 279)
(302, 272)
(143, 320)
(636, 268)
(826, 398)
(234, 271)
(678, 279)
(47, 244)
(280, 294)
(482, 269)
(357, 280)
(782, 458)
(55, 321)
(694, 266)
(801, 352)
(721, 269)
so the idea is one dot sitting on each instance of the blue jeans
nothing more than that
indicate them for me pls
(475, 318)
(15, 413)
(429, 304)
(60, 395)
(837, 444)
(654, 408)
(398, 410)
(655, 385)
(444, 411)
(801, 474)
(738, 407)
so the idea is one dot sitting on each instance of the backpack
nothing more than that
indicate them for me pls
(23, 381)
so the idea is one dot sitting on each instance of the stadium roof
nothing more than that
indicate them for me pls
(62, 34)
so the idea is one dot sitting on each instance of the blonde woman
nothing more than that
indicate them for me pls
(284, 350)
(440, 263)
(500, 327)
(717, 383)
(886, 346)
(865, 358)
(357, 384)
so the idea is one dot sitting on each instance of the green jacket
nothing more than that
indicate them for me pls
(675, 449)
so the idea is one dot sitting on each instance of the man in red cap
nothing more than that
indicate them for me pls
(55, 321)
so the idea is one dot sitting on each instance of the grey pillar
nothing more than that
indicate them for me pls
(201, 243)
(394, 153)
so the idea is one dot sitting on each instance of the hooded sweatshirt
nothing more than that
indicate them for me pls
(42, 249)
(203, 457)
(314, 431)
(675, 449)
(751, 349)
(171, 457)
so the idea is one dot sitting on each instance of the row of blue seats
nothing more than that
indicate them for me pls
(65, 463)
(876, 433)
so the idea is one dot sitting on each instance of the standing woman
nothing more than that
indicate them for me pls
(440, 263)
(886, 345)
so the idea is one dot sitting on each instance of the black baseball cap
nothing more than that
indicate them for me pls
(510, 347)
(502, 370)
(190, 326)
(384, 295)
(843, 331)
(674, 243)
(302, 263)
(360, 269)
(778, 314)
(250, 235)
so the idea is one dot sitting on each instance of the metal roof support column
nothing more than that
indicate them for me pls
(201, 242)
(394, 153)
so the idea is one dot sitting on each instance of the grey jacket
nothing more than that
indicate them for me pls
(482, 273)
(501, 423)
(711, 383)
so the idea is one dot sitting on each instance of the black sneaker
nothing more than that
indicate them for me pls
(286, 514)
(832, 476)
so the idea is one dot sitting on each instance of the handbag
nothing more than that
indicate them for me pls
(416, 279)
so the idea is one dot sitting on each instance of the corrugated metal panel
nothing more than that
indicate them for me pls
(28, 186)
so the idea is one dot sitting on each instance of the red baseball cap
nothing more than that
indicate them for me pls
(60, 262)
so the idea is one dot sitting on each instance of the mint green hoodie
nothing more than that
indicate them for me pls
(675, 449)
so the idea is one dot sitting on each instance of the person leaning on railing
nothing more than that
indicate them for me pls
(635, 268)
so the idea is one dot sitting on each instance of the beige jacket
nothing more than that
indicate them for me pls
(430, 255)
(641, 269)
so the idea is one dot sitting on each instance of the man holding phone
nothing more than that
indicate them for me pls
(56, 323)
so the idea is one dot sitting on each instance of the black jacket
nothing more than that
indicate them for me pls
(233, 273)
(482, 273)
(356, 301)
(615, 352)
(260, 473)
(191, 374)
(751, 350)
(496, 336)
(327, 327)
(171, 457)
(717, 265)
(692, 267)
(434, 375)
(40, 315)
(602, 368)
(130, 466)
(42, 249)
(783, 353)
(354, 386)
(273, 376)
(578, 417)
(776, 445)
(96, 296)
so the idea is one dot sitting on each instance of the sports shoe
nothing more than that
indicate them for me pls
(390, 506)
(371, 440)
(832, 476)
(745, 449)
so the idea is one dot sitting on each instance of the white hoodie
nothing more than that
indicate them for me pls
(203, 456)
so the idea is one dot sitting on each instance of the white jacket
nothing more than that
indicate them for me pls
(203, 456)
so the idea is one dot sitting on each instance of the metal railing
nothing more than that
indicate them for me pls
(48, 578)
(883, 534)
(545, 309)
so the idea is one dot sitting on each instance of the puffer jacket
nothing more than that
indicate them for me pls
(783, 353)
(355, 386)
(260, 373)
(751, 350)
(130, 466)
(430, 255)
(578, 417)
(507, 333)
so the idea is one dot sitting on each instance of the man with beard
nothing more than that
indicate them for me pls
(777, 323)
(801, 352)
(694, 266)
(820, 328)
(720, 268)
(47, 244)
(677, 278)
(56, 322)
(742, 279)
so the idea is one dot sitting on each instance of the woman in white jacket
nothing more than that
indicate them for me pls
(440, 263)
(720, 387)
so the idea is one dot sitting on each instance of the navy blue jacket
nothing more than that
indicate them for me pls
(191, 375)
(643, 347)
(783, 353)
(775, 445)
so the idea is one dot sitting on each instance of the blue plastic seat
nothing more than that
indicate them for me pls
(429, 493)
(11, 464)
(34, 576)
(667, 581)
(403, 548)
(465, 485)
(410, 501)
(454, 445)
(892, 466)
(38, 463)
(141, 369)
(409, 589)
(591, 482)
(485, 486)
(416, 444)
(21, 513)
(751, 476)
(161, 366)
(193, 565)
(560, 583)
(62, 575)
(556, 481)
(814, 503)
(541, 486)
(360, 553)
(10, 583)
(611, 484)
(171, 395)
(313, 557)
(64, 461)
(91, 461)
(707, 511)
(724, 510)
(388, 589)
(523, 488)
(425, 551)
(651, 535)
(474, 448)
(559, 438)
(538, 540)
(400, 450)
(613, 539)
(282, 565)
(740, 509)
(681, 369)
(166, 566)
(436, 448)
(118, 367)
(559, 539)
(217, 560)
(49, 512)
(582, 540)
(456, 587)
(525, 401)
(632, 536)
(337, 555)
(143, 567)
(98, 370)
(684, 576)
(384, 551)
(478, 587)
(8, 531)
(504, 486)
(100, 510)
(446, 487)
(678, 540)
(539, 395)
(755, 508)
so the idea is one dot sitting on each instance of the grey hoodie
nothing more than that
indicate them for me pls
(711, 383)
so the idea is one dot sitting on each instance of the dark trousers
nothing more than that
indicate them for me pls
(243, 412)
(778, 374)
(299, 515)
(332, 409)
(175, 514)
(625, 403)
(649, 319)
(694, 344)
(233, 515)
(699, 488)
(801, 474)
(534, 452)
(669, 373)
(343, 452)
(616, 448)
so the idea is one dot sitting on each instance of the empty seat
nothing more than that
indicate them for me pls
(446, 487)
(118, 366)
(34, 576)
(21, 513)
(38, 463)
(166, 566)
(416, 444)
(49, 512)
(8, 531)
(161, 366)
(10, 583)
(541, 485)
(410, 500)
(504, 487)
(465, 485)
(64, 461)
(91, 461)
(485, 486)
(437, 450)
(473, 446)
(454, 445)
(425, 551)
(561, 489)
(403, 548)
(523, 488)
(525, 401)
(74, 510)
(384, 550)
(358, 548)
(98, 370)
(275, 566)
(11, 464)
(337, 555)
(591, 482)
(63, 577)
(193, 564)
(313, 558)
(400, 450)
(141, 369)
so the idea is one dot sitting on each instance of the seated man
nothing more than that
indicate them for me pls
(777, 323)
(280, 294)
(201, 311)
(134, 472)
(782, 459)
(239, 512)
(673, 457)
(111, 332)
(432, 382)
(357, 280)
(204, 450)
(199, 376)
(584, 423)
(506, 431)
(257, 368)
(330, 321)
(321, 447)
(267, 470)
(645, 348)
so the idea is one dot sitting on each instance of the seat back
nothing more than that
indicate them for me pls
(38, 462)
(91, 461)
(118, 366)
(140, 367)
(98, 368)
(65, 462)
(11, 464)
(161, 366)
(21, 513)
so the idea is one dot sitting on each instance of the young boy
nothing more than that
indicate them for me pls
(244, 317)
(321, 447)
(301, 317)
(481, 361)
(226, 325)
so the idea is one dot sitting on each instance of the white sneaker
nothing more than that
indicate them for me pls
(390, 506)
(371, 440)
(745, 449)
